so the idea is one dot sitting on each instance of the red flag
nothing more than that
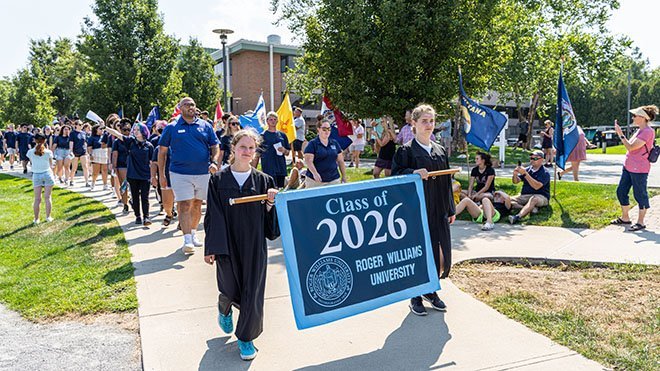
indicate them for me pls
(177, 112)
(218, 113)
(344, 127)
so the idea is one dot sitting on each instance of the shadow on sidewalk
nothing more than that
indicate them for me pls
(222, 356)
(415, 345)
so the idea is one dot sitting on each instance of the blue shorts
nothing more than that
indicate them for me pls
(44, 179)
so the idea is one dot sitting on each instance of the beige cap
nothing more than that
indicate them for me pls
(640, 112)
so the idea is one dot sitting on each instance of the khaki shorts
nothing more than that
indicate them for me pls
(522, 200)
(188, 187)
(311, 183)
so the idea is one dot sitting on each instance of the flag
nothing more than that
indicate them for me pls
(257, 119)
(566, 134)
(154, 115)
(285, 119)
(481, 124)
(334, 115)
(177, 112)
(218, 113)
(344, 142)
(139, 117)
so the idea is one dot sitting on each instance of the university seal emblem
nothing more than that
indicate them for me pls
(329, 281)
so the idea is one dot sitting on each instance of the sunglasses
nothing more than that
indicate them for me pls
(234, 123)
(534, 158)
(325, 128)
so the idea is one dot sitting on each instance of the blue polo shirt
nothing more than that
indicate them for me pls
(541, 175)
(225, 146)
(95, 141)
(10, 137)
(154, 158)
(24, 141)
(325, 158)
(271, 163)
(154, 139)
(79, 140)
(189, 146)
(61, 142)
(139, 158)
(122, 153)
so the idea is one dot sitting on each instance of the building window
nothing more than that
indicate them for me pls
(287, 62)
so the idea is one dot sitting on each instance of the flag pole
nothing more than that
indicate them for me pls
(467, 146)
(554, 188)
(122, 111)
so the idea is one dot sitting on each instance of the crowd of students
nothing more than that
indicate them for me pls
(192, 160)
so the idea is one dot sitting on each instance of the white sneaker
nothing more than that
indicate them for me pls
(188, 249)
(35, 221)
(487, 226)
(196, 241)
(49, 219)
(106, 187)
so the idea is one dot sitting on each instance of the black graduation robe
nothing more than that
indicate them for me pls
(437, 191)
(236, 235)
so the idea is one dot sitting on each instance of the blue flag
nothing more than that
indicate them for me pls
(153, 116)
(344, 142)
(566, 133)
(120, 112)
(257, 119)
(481, 124)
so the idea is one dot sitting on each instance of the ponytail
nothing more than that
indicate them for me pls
(41, 147)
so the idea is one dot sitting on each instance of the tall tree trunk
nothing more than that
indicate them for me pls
(458, 143)
(530, 119)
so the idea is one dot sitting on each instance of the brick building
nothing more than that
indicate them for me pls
(249, 72)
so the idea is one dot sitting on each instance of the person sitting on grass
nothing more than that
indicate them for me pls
(492, 211)
(484, 176)
(535, 191)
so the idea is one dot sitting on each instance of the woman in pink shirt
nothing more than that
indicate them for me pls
(636, 166)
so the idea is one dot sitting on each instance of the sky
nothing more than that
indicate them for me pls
(250, 19)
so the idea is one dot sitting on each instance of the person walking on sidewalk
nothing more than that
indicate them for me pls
(274, 149)
(419, 156)
(42, 176)
(78, 146)
(636, 167)
(193, 148)
(138, 172)
(24, 141)
(238, 250)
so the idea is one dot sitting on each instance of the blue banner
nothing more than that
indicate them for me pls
(154, 115)
(566, 133)
(352, 248)
(481, 124)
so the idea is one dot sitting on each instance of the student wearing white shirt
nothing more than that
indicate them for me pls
(358, 142)
(42, 176)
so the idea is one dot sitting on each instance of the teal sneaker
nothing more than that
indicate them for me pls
(247, 350)
(226, 323)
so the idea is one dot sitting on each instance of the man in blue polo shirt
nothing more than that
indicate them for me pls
(535, 191)
(10, 138)
(191, 142)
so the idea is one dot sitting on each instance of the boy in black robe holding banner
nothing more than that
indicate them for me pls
(236, 240)
(420, 156)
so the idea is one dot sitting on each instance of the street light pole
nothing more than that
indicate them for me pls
(223, 32)
(628, 110)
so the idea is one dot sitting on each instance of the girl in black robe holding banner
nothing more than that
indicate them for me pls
(420, 156)
(236, 240)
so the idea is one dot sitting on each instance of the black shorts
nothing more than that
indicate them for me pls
(522, 137)
(383, 164)
(23, 156)
(297, 145)
(79, 154)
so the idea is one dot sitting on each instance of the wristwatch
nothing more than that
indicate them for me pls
(214, 163)
(622, 137)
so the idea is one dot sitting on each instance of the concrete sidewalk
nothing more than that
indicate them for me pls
(178, 316)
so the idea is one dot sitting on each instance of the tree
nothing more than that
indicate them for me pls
(30, 101)
(6, 91)
(545, 31)
(130, 55)
(63, 67)
(380, 57)
(199, 80)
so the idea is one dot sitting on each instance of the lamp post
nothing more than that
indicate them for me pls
(223, 32)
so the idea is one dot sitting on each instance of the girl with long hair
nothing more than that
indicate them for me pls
(42, 176)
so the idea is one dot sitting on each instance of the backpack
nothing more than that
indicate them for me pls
(653, 153)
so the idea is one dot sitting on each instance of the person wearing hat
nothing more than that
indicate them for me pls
(42, 176)
(535, 192)
(636, 166)
(204, 115)
(299, 142)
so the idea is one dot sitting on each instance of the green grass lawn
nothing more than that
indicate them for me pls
(511, 155)
(78, 264)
